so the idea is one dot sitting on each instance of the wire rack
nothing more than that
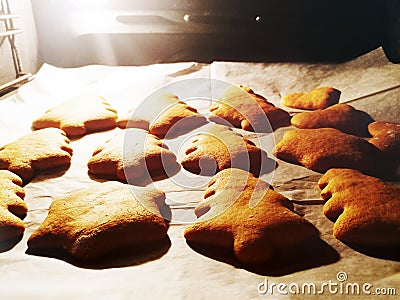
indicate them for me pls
(9, 33)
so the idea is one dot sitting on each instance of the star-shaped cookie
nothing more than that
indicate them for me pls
(132, 155)
(242, 108)
(12, 206)
(93, 222)
(218, 147)
(318, 98)
(163, 115)
(325, 148)
(366, 210)
(340, 116)
(242, 214)
(79, 116)
(37, 151)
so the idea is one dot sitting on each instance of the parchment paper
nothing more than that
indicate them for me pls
(177, 271)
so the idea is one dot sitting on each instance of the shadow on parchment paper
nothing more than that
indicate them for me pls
(389, 253)
(145, 180)
(126, 257)
(391, 169)
(268, 165)
(183, 127)
(282, 120)
(310, 255)
(41, 175)
(74, 138)
(9, 244)
(208, 166)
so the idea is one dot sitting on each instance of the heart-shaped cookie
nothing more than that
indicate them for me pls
(386, 137)
(340, 116)
(325, 148)
(318, 98)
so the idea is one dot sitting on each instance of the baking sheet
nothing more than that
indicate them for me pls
(177, 271)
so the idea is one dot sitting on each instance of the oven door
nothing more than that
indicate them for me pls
(118, 32)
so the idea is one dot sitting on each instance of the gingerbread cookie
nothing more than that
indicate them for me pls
(256, 232)
(316, 99)
(131, 155)
(93, 222)
(217, 148)
(163, 115)
(325, 148)
(12, 206)
(80, 115)
(386, 137)
(242, 108)
(40, 150)
(365, 210)
(340, 116)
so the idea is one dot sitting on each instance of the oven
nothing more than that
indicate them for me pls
(199, 149)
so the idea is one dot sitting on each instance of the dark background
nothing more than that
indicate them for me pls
(268, 30)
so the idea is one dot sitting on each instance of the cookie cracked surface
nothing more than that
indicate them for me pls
(340, 116)
(243, 214)
(325, 148)
(386, 137)
(133, 154)
(242, 108)
(318, 98)
(217, 148)
(12, 206)
(163, 115)
(93, 222)
(37, 151)
(79, 116)
(365, 209)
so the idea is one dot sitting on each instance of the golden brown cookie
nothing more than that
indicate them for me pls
(242, 108)
(79, 116)
(12, 206)
(340, 116)
(163, 115)
(91, 223)
(316, 99)
(365, 209)
(217, 148)
(326, 148)
(37, 151)
(386, 137)
(133, 154)
(242, 214)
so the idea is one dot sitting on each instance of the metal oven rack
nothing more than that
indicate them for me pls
(9, 33)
